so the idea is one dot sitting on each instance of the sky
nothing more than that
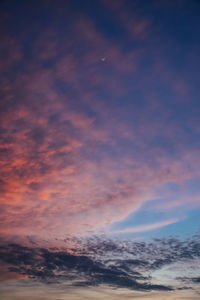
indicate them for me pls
(99, 149)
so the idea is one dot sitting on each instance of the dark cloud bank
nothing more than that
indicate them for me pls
(119, 265)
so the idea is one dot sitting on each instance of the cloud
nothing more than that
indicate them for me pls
(95, 261)
(147, 227)
(57, 266)
(84, 144)
(189, 279)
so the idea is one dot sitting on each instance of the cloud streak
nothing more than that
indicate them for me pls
(143, 228)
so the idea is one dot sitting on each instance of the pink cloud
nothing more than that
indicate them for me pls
(65, 168)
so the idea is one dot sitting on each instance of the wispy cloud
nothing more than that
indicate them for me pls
(146, 227)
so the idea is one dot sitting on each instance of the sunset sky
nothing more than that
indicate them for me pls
(100, 149)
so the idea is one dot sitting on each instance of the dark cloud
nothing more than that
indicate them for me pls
(189, 279)
(80, 270)
(152, 255)
(96, 261)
